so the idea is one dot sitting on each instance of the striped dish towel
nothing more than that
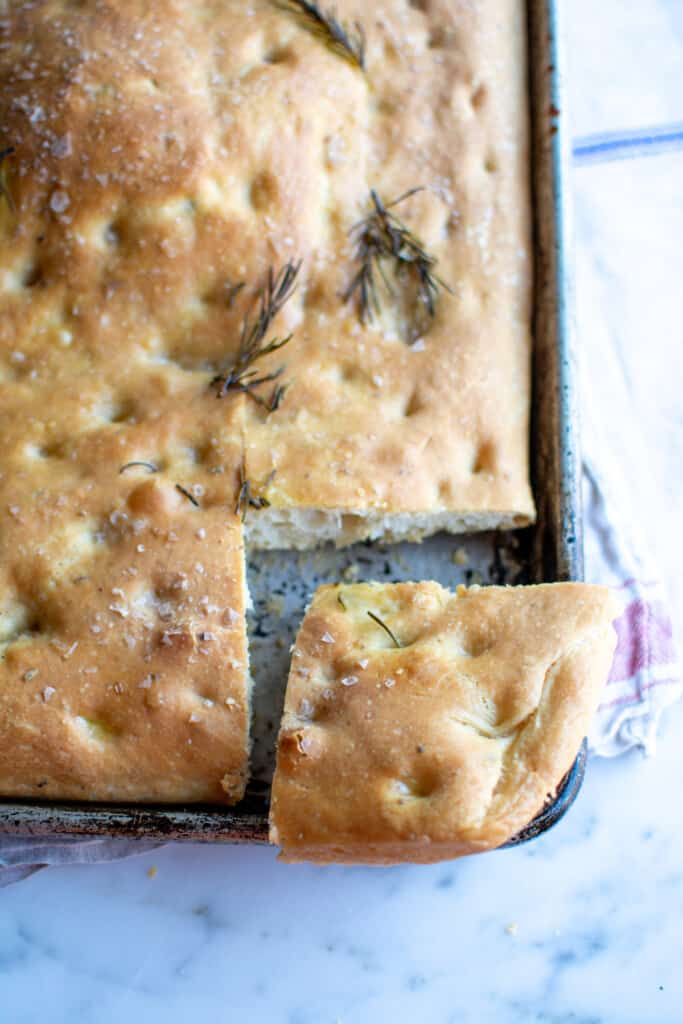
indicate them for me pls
(607, 146)
(645, 676)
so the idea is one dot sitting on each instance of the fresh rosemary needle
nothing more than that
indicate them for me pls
(242, 377)
(187, 494)
(150, 466)
(381, 237)
(345, 42)
(4, 190)
(383, 625)
(245, 498)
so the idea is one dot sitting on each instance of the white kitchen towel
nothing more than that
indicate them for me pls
(21, 856)
(617, 483)
(644, 678)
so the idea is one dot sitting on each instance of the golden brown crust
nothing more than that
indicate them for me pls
(161, 154)
(447, 745)
(124, 650)
(371, 422)
(123, 671)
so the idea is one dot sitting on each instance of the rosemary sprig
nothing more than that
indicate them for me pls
(340, 600)
(245, 498)
(187, 494)
(376, 618)
(139, 462)
(241, 377)
(4, 190)
(273, 402)
(324, 25)
(381, 236)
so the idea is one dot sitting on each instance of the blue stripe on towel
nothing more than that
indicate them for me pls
(625, 145)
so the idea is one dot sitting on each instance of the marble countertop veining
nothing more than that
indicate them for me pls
(583, 926)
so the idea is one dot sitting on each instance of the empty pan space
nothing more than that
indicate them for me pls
(282, 583)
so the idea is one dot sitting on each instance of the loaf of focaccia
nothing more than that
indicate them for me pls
(159, 165)
(421, 725)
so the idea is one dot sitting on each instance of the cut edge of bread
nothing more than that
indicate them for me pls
(302, 528)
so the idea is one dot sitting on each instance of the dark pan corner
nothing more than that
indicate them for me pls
(557, 807)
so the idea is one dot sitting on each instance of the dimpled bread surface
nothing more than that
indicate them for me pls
(439, 727)
(166, 153)
(156, 156)
(122, 599)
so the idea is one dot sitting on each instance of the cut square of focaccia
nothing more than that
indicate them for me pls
(123, 671)
(123, 659)
(159, 159)
(398, 424)
(421, 725)
(156, 162)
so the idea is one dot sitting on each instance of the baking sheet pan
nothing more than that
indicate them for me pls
(281, 583)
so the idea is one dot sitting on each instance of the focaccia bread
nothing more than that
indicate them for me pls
(124, 661)
(407, 424)
(157, 162)
(123, 657)
(422, 725)
(160, 159)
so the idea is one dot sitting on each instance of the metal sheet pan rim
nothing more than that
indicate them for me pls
(560, 556)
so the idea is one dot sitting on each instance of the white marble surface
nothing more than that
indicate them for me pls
(582, 926)
(229, 934)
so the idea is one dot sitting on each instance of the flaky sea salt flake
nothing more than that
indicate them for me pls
(59, 201)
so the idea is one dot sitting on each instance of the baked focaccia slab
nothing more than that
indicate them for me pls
(405, 423)
(123, 658)
(124, 667)
(421, 725)
(157, 162)
(163, 158)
